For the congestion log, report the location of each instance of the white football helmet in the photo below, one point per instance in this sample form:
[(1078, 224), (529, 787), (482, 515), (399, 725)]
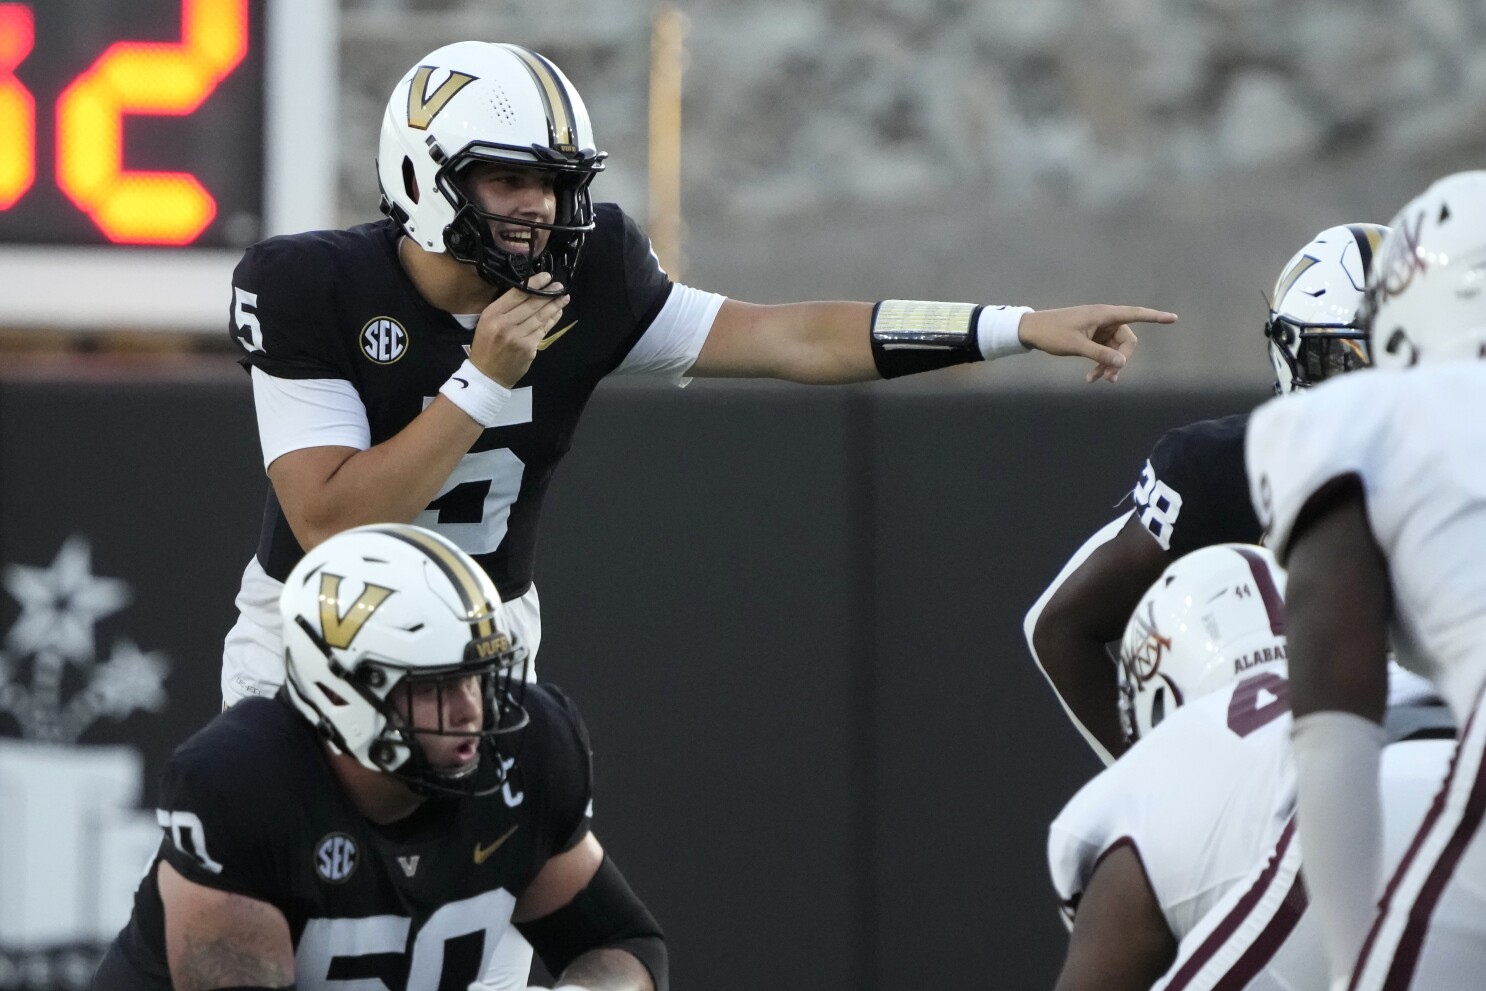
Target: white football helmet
[(1212, 616), (1313, 327), (1426, 300), (390, 604), (479, 101)]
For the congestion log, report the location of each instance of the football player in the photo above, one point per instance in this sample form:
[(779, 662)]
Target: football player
[(1373, 491), (385, 820), (1178, 866), (1192, 491), (432, 367)]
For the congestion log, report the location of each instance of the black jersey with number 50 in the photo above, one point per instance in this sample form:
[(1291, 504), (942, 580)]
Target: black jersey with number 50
[(1193, 491), (250, 805), (338, 305)]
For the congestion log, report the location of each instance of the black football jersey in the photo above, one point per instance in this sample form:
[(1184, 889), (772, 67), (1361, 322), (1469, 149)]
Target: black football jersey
[(338, 305), (250, 805), (1193, 491)]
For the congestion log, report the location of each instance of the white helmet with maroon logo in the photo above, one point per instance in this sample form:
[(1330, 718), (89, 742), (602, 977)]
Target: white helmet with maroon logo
[(1426, 299), (1212, 616)]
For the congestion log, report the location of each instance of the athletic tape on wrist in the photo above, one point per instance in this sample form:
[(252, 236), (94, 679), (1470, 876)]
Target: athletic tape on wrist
[(910, 335), (479, 395)]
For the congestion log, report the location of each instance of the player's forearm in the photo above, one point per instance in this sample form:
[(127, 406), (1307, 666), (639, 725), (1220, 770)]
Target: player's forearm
[(818, 343), (1339, 809), (390, 482), (1084, 678)]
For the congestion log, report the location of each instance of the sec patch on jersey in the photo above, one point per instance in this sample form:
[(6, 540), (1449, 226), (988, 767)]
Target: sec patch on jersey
[(384, 340)]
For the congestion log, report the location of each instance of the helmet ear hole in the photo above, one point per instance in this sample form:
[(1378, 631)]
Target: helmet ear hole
[(1158, 707), (409, 179)]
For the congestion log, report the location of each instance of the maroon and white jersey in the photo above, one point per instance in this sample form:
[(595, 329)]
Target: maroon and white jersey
[(1167, 794), (1415, 439), (1207, 800)]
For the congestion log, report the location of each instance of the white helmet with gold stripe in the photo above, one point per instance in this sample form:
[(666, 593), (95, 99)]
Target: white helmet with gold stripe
[(379, 614), (476, 101), (1314, 329)]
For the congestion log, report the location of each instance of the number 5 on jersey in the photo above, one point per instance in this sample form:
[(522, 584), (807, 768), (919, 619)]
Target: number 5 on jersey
[(474, 505)]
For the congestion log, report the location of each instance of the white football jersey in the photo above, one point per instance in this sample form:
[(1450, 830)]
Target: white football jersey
[(1417, 441), (1207, 801), (1167, 796)]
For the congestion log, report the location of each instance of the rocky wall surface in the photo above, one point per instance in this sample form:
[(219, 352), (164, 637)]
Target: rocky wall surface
[(1170, 151)]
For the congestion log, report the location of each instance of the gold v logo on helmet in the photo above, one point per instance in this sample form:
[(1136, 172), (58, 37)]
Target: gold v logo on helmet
[(422, 108), (339, 630)]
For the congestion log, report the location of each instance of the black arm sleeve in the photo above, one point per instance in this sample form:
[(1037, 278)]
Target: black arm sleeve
[(606, 914)]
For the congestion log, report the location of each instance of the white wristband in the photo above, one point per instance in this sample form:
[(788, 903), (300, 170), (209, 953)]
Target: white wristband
[(479, 395), (996, 331)]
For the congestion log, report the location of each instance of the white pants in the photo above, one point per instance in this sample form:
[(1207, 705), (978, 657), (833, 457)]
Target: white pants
[(253, 654), (1430, 931)]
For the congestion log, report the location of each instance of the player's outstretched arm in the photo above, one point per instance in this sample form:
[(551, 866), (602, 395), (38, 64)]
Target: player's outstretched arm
[(217, 939), (589, 928), (838, 342), (1120, 940), (1086, 607)]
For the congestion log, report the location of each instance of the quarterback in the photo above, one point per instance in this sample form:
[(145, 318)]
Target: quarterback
[(405, 802), (1178, 865), (1373, 491), (1192, 491), (432, 367)]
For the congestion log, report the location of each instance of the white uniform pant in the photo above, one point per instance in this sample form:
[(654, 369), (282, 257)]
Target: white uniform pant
[(1430, 930)]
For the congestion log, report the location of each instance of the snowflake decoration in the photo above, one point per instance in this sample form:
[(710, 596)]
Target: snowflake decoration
[(61, 606)]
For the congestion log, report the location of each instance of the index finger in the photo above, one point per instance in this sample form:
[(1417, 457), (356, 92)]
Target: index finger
[(1135, 314)]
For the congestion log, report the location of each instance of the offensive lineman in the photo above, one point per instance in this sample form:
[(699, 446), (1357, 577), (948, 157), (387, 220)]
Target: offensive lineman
[(1373, 490), (386, 820), (432, 367), (1192, 491), (1178, 864)]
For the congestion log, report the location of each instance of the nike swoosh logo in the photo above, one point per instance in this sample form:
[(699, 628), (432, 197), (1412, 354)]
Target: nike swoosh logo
[(482, 853), (551, 338), (462, 383)]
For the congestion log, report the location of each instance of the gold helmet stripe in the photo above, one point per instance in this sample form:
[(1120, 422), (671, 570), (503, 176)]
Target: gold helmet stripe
[(560, 121), (456, 567), (1368, 236), (1288, 280)]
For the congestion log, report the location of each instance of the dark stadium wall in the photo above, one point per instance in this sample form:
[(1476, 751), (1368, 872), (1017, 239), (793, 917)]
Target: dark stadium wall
[(792, 618)]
